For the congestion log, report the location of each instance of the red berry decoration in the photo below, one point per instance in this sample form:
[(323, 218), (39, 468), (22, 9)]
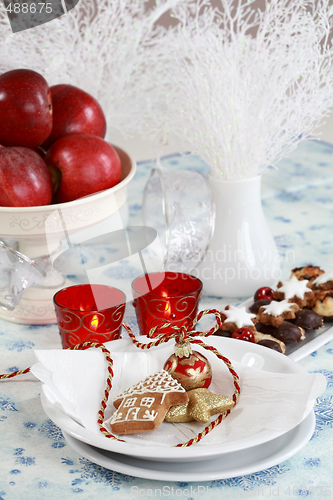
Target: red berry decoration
[(190, 369), (243, 334), (265, 292)]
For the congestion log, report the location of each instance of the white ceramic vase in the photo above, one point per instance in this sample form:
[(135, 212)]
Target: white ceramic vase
[(242, 255)]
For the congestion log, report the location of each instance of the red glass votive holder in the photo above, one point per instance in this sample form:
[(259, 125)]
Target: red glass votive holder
[(89, 313), (160, 298)]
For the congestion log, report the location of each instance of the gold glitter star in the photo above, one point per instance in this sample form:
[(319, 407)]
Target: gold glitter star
[(201, 406)]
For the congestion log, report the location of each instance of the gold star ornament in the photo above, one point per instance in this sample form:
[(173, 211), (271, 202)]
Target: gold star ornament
[(201, 406)]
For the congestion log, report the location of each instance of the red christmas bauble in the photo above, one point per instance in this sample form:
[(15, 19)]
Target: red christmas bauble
[(190, 371)]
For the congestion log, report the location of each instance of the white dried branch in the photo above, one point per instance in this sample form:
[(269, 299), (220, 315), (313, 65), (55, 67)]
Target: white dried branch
[(99, 47), (241, 101)]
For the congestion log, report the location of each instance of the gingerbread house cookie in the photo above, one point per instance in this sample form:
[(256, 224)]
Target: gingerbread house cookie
[(143, 407), (295, 291)]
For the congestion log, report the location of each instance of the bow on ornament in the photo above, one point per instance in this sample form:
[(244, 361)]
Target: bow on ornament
[(191, 367)]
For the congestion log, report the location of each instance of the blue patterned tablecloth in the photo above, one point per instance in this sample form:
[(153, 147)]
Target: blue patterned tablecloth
[(35, 460)]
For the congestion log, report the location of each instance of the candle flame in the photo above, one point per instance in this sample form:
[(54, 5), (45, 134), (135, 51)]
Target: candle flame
[(167, 304), (94, 321)]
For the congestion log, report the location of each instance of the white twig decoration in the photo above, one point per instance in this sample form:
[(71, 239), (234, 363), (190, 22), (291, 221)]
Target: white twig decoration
[(237, 85), (98, 46), (242, 101)]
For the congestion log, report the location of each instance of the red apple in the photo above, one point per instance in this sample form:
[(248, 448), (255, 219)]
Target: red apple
[(39, 151), (25, 108), (87, 164), (74, 112), (24, 178)]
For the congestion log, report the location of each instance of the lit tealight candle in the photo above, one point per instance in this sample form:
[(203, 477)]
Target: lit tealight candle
[(89, 313), (94, 321), (167, 308), (170, 297)]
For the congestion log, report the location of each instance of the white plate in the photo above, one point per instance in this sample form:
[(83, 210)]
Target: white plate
[(248, 353), (313, 339), (232, 465)]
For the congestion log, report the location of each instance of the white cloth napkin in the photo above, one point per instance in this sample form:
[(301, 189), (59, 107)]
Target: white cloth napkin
[(269, 402)]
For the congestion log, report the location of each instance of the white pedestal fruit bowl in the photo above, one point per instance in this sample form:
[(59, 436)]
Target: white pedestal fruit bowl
[(39, 232)]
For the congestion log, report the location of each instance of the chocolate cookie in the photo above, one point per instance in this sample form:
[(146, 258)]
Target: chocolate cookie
[(308, 319), (254, 308), (223, 333), (268, 329), (269, 341), (289, 333), (271, 344)]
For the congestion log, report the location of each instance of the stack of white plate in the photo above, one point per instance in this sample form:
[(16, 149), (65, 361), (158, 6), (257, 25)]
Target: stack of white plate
[(197, 462)]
